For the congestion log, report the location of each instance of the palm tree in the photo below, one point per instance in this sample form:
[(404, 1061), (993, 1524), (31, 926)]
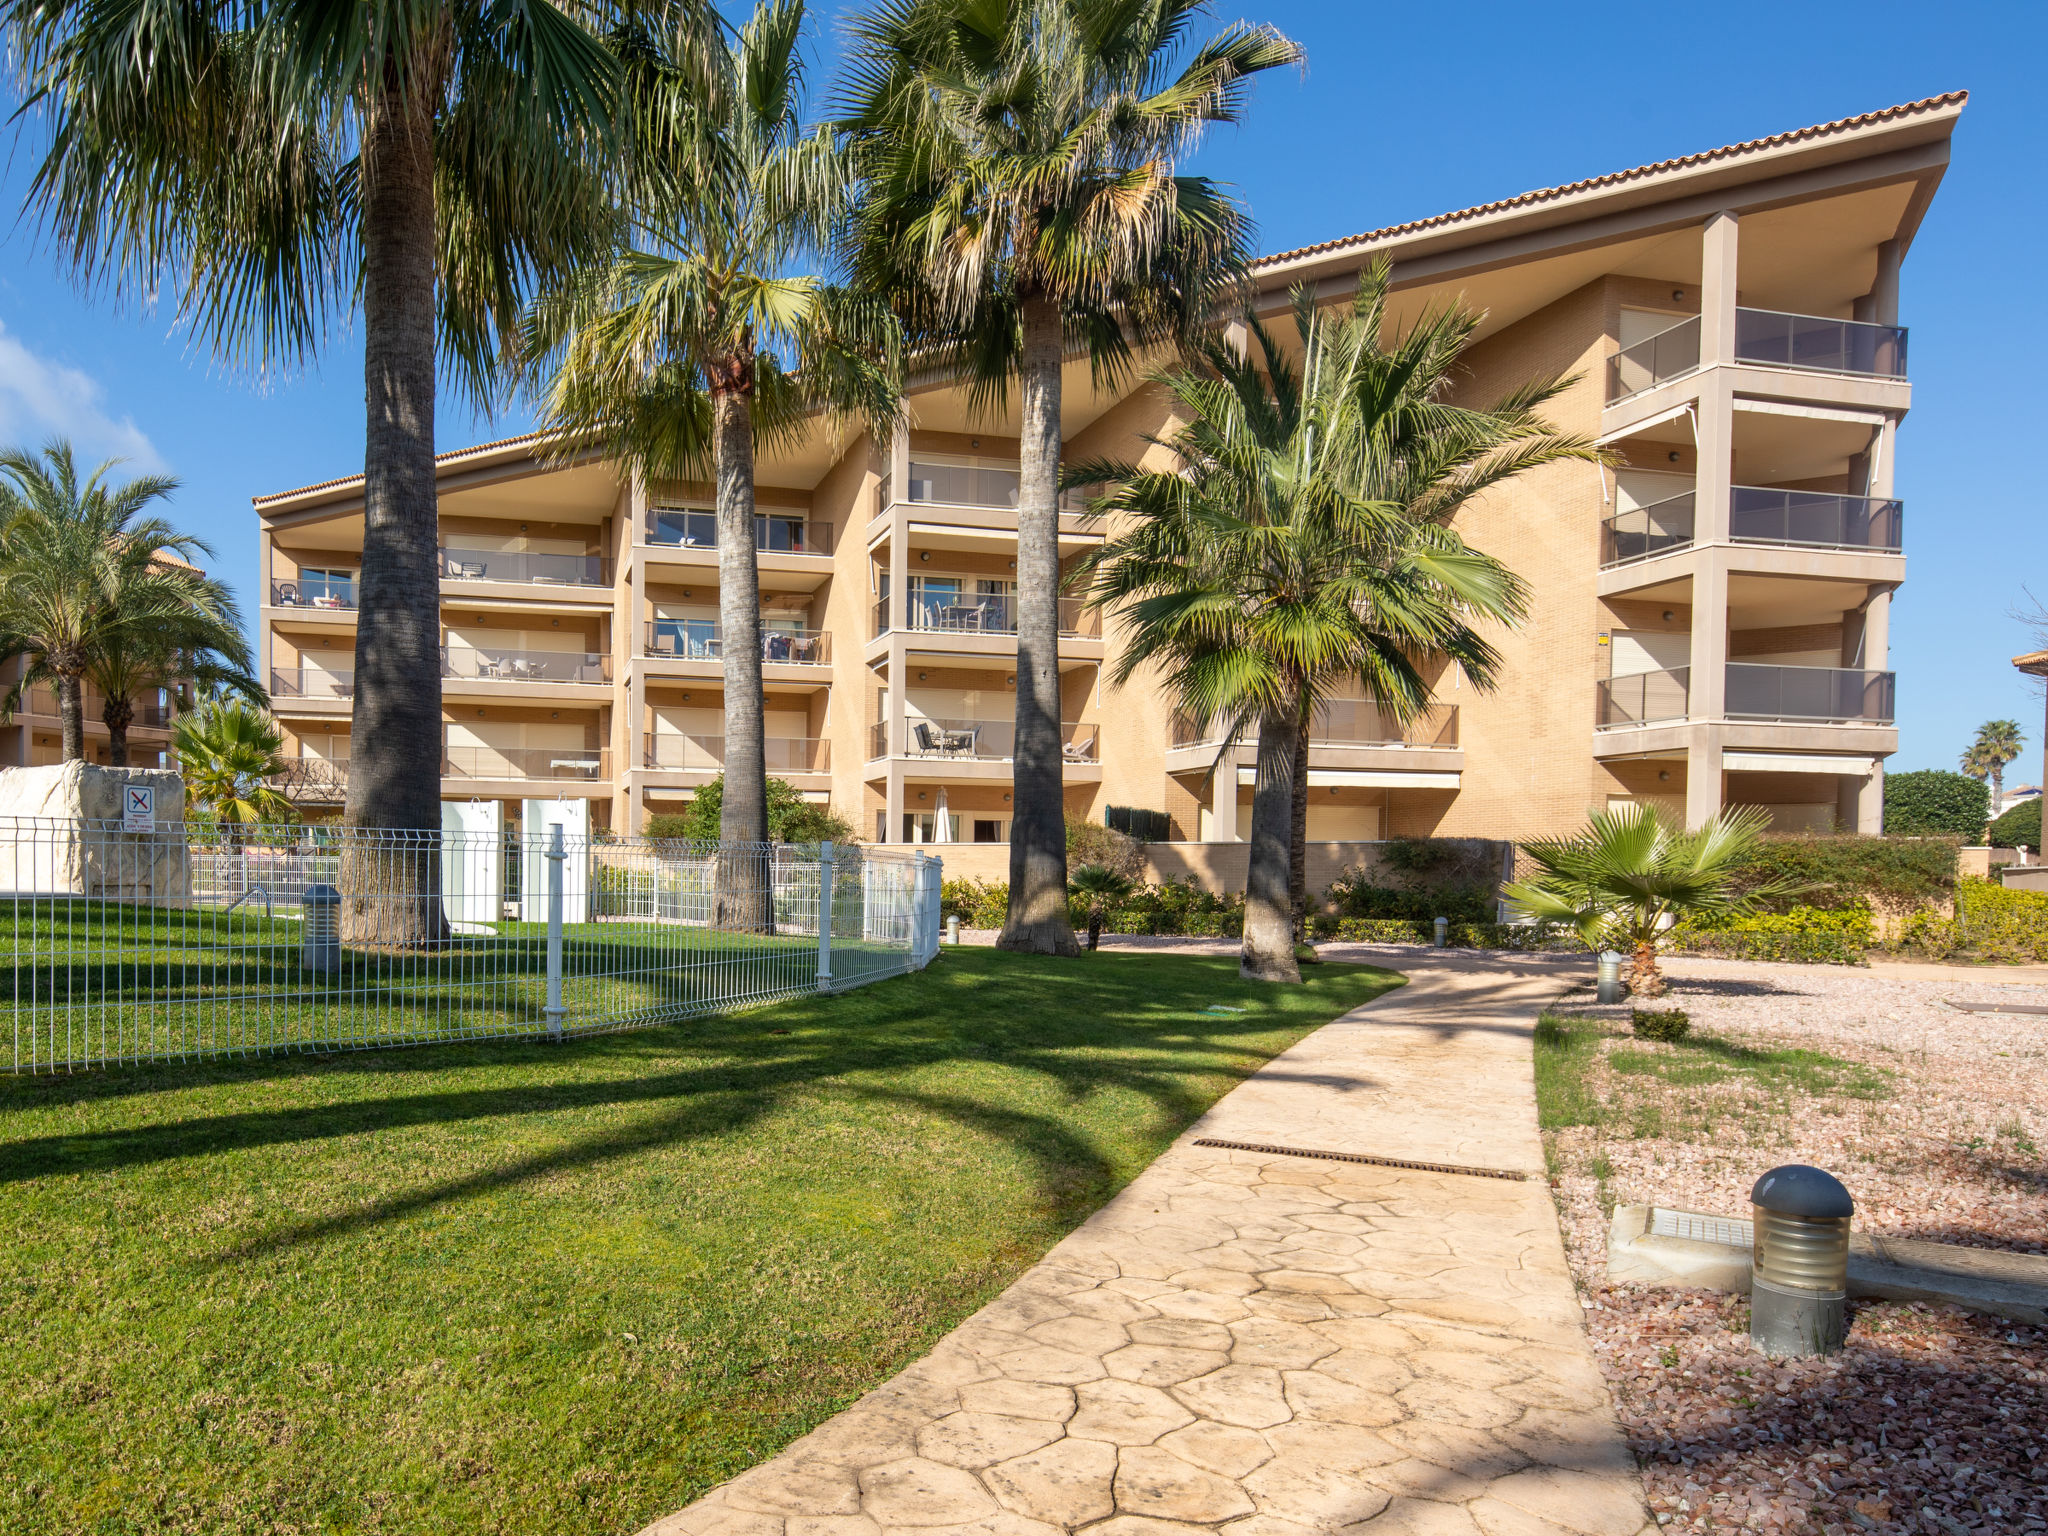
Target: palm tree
[(1019, 199), (280, 164), (202, 645), (1632, 873), (677, 354), (1102, 888), (228, 753), (1299, 544), (83, 572), (1998, 743)]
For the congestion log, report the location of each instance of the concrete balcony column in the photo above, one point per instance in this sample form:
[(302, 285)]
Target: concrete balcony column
[(1717, 290), (1707, 684)]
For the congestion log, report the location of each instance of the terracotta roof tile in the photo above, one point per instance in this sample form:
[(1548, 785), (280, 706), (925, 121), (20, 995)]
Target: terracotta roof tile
[(451, 456), (1615, 178)]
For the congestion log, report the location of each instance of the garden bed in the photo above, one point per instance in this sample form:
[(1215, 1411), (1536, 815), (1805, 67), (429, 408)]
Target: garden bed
[(1932, 1420)]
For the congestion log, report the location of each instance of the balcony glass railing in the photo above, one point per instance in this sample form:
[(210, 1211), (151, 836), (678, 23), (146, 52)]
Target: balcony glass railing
[(1815, 343), (154, 712), (989, 740), (1643, 697), (783, 754), (309, 780), (698, 640), (961, 485), (314, 592), (1643, 532), (312, 682), (1815, 519), (484, 762), (697, 528), (986, 614), (493, 665), (1649, 362), (1838, 695), (1344, 723), (525, 566)]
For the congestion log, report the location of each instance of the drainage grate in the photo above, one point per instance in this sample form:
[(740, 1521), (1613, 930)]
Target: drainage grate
[(1363, 1157), (1698, 1227)]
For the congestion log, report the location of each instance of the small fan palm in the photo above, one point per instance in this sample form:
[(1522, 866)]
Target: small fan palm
[(1101, 888), (1631, 874), (228, 753)]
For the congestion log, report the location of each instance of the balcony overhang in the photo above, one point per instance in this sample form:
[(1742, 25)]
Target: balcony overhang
[(524, 789), (1752, 384), (1367, 778), (525, 596), (1678, 738), (965, 648), (1662, 575), (523, 690), (1334, 756), (1854, 764), (912, 769)]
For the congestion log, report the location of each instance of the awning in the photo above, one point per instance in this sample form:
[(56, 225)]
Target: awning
[(1810, 412), (1797, 762), (1374, 778)]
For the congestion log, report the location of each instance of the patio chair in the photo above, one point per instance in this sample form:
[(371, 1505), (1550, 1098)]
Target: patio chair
[(467, 570), (927, 743)]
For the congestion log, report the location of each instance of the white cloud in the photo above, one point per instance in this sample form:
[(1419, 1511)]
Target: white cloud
[(40, 400)]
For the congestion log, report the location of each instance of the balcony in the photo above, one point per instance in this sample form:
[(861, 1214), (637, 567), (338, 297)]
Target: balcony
[(1344, 723), (525, 666), (1758, 515), (307, 780), (774, 534), (1822, 695), (312, 683), (1764, 338), (1644, 698), (987, 740), (155, 714), (572, 763), (525, 566), (314, 592), (984, 614), (1755, 692), (699, 640), (783, 754)]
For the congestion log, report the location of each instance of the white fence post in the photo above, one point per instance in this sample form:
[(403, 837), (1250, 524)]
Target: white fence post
[(825, 872), (556, 856)]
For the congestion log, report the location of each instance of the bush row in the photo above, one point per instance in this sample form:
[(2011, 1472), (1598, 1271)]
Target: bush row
[(1990, 923), (1891, 874), (1179, 907), (1460, 935), (1809, 935)]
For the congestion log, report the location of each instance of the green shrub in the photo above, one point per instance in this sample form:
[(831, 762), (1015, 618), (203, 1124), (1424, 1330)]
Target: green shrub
[(1460, 935), (1661, 1024), (1831, 872), (2019, 827), (1090, 842), (1805, 935), (1935, 802), (977, 903), (1999, 924), (791, 818)]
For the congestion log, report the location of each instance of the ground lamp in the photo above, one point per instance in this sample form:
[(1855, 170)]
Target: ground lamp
[(1800, 1279), (320, 948), (1610, 976)]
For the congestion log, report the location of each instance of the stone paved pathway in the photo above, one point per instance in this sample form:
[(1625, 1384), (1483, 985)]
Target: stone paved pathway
[(1266, 1345)]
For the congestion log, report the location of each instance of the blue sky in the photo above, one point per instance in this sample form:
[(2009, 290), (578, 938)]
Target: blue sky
[(1403, 112)]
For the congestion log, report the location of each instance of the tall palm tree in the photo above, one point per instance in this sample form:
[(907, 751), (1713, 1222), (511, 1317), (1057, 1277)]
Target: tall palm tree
[(1998, 743), (202, 645), (282, 164), (1299, 544), (1020, 200), (229, 752), (697, 343), (1625, 879), (82, 571)]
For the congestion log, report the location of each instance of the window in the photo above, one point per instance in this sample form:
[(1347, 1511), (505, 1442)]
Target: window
[(329, 587), (991, 830), (923, 827)]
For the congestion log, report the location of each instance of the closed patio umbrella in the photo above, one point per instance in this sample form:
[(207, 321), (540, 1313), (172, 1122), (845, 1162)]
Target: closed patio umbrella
[(943, 831)]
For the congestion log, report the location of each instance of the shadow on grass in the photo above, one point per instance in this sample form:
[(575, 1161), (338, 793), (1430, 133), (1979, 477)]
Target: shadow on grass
[(1100, 1025)]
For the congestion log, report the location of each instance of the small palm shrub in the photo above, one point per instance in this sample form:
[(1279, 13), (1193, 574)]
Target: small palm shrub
[(1101, 889)]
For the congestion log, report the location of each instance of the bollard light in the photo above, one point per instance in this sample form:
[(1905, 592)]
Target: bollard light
[(1443, 932), (1800, 1278), (1610, 977), (320, 949), (953, 928)]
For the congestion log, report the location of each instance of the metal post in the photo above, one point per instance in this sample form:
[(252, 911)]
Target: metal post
[(920, 864), (555, 856), (825, 873)]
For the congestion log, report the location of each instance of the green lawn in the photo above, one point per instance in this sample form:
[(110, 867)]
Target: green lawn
[(556, 1289)]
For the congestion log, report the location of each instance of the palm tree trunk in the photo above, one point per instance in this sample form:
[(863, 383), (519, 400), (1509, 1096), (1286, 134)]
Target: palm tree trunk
[(1297, 832), (117, 713), (390, 874), (71, 710), (1644, 978), (1037, 921), (745, 897), (1268, 953)]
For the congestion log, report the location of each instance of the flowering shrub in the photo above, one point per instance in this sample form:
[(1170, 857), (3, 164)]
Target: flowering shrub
[(1808, 935)]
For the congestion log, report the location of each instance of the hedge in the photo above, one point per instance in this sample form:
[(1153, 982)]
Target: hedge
[(1460, 935), (1836, 871), (2019, 827), (1935, 801), (1990, 923), (1179, 907), (1807, 935)]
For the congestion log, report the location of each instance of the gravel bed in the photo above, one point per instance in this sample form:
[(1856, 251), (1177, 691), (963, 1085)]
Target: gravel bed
[(1932, 1420)]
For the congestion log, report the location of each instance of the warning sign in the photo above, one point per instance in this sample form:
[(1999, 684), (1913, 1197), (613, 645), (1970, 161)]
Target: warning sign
[(138, 808)]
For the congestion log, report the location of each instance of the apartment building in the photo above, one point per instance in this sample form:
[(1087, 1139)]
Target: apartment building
[(1708, 624)]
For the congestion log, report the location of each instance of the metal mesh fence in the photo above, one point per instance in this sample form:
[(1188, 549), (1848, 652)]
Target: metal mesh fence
[(186, 942)]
